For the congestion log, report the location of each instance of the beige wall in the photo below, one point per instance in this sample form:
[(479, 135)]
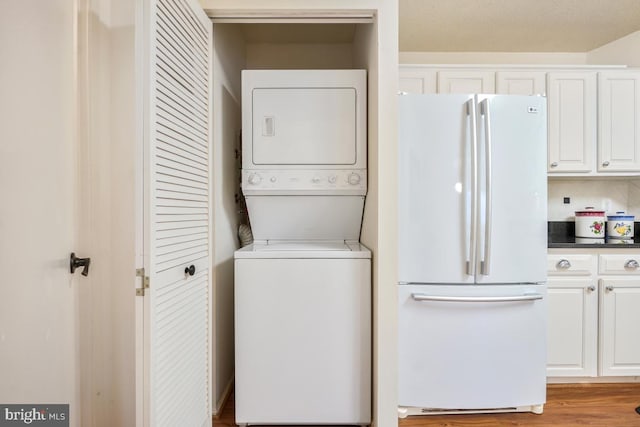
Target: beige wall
[(228, 60), (625, 50)]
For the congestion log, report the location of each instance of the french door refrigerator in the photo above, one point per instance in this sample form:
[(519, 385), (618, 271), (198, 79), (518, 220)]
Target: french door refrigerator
[(472, 253)]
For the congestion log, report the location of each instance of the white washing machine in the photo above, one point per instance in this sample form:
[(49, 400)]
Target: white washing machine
[(303, 333), (303, 289)]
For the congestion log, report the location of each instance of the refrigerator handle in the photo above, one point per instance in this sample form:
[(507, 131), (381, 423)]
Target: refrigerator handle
[(471, 261), (447, 298), (486, 262)]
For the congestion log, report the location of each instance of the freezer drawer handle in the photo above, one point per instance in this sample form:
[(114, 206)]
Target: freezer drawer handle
[(444, 298)]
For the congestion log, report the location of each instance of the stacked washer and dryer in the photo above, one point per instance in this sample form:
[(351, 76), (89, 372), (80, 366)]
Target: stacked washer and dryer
[(303, 288)]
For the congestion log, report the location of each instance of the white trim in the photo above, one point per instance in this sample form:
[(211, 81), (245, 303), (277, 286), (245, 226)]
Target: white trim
[(560, 67), (291, 16), (592, 380)]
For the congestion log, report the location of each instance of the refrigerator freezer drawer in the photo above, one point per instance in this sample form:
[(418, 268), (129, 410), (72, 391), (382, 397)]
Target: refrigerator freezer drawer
[(472, 347)]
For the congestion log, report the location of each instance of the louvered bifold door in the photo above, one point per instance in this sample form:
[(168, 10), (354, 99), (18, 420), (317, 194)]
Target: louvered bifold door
[(177, 215)]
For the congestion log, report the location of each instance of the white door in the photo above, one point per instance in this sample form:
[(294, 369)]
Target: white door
[(513, 190), (177, 235), (572, 333), (618, 118), (471, 347), (435, 187), (38, 183), (520, 82), (572, 121), (619, 324), (464, 81)]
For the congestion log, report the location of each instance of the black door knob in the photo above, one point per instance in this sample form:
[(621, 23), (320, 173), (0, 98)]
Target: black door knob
[(190, 271), (75, 262)]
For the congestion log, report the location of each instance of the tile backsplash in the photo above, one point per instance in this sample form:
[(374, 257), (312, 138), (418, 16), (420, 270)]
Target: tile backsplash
[(608, 194)]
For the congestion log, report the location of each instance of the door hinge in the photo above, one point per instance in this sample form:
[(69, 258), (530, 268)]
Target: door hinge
[(140, 292)]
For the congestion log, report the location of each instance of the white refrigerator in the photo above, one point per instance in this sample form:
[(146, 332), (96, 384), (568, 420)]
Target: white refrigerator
[(472, 253)]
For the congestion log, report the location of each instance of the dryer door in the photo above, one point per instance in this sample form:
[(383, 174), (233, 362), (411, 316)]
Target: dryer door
[(304, 126)]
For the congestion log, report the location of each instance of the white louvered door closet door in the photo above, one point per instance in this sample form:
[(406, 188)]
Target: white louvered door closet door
[(177, 215)]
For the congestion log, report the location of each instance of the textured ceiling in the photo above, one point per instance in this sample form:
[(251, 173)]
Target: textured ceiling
[(514, 25)]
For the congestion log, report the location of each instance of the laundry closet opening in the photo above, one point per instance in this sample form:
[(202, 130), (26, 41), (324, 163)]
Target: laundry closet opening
[(269, 46)]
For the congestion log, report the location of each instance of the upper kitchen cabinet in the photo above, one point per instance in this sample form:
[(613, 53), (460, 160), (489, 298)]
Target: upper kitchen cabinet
[(618, 120), (572, 121), (417, 80), (520, 83), (466, 81)]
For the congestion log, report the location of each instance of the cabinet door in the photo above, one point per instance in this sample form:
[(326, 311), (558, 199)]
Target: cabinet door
[(466, 82), (416, 80), (521, 82), (572, 336), (620, 327), (572, 121), (618, 120)]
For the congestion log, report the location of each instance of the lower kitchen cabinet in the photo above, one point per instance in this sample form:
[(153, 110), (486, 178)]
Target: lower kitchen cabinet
[(594, 314), (620, 326), (572, 338)]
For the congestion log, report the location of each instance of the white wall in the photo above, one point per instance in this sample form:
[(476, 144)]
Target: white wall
[(609, 194), (38, 213), (107, 167), (228, 60), (625, 50)]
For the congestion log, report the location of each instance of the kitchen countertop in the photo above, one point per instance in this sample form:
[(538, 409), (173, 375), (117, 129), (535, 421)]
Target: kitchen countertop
[(561, 234)]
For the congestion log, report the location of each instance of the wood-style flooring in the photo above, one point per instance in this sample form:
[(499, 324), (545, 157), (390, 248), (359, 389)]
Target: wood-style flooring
[(575, 405)]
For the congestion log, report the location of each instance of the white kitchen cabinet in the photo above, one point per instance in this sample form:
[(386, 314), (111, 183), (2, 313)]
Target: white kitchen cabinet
[(572, 121), (620, 326), (417, 80), (466, 81), (520, 82), (572, 337), (594, 321), (618, 120)]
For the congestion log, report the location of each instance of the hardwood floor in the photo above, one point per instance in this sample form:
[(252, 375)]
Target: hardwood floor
[(574, 405)]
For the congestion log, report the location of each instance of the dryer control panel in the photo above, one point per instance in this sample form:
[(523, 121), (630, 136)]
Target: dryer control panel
[(319, 181)]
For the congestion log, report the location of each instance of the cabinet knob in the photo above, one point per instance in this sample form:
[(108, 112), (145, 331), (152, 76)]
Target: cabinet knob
[(632, 263), (554, 164), (564, 264), (591, 288), (609, 288), (605, 164)]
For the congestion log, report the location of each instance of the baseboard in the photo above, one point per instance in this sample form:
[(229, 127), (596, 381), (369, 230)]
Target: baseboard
[(592, 380), (222, 402)]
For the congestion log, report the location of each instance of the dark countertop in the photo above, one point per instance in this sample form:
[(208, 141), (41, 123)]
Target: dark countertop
[(561, 234)]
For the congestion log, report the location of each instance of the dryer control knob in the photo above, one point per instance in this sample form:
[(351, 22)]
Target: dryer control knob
[(316, 179), (354, 179), (333, 179), (254, 179)]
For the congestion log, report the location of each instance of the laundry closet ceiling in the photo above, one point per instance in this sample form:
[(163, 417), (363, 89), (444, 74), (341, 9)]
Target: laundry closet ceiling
[(514, 25)]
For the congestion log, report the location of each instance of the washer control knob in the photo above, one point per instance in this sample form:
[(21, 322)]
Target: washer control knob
[(315, 179), (254, 179), (273, 179), (354, 179), (332, 179)]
